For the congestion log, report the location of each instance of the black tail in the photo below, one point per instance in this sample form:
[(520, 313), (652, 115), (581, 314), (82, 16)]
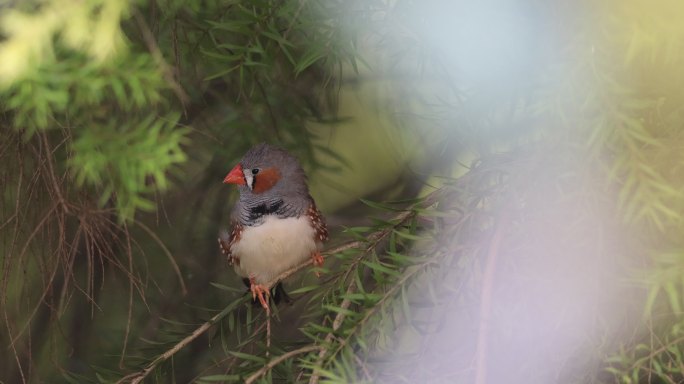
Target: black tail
[(278, 293)]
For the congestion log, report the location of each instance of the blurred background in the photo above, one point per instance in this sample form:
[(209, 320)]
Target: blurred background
[(506, 178)]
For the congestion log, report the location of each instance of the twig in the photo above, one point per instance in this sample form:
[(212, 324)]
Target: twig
[(168, 254), (336, 325), (256, 375), (129, 253), (294, 19), (159, 58), (664, 347), (363, 367), (37, 228), (51, 172), (486, 302), (141, 375), (268, 332)]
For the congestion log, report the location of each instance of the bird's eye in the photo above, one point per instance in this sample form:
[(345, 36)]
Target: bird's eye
[(255, 171)]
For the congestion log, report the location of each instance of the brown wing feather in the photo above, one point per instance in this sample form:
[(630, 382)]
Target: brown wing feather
[(317, 221), (227, 240)]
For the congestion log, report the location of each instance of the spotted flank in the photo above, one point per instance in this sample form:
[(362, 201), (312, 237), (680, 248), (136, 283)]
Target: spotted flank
[(226, 242), (317, 222)]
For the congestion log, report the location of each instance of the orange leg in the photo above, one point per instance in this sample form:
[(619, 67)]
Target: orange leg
[(260, 291), (317, 261)]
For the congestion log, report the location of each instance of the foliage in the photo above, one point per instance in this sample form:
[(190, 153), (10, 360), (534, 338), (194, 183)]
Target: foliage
[(119, 118), (91, 27)]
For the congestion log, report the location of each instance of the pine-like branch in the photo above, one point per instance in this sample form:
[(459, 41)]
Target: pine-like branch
[(139, 376), (372, 242)]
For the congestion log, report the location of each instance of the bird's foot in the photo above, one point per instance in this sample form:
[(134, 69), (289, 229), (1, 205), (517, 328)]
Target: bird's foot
[(317, 261), (260, 291)]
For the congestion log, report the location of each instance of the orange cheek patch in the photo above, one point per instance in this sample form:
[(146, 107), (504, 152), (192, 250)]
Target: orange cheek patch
[(265, 180)]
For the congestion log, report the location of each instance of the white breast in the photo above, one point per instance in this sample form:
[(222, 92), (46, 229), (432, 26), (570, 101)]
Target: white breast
[(273, 247)]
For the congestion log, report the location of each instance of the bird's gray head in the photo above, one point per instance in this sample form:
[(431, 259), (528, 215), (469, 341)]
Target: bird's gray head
[(266, 174)]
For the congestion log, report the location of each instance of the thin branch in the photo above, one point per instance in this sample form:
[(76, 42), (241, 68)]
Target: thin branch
[(361, 364), (268, 332), (658, 351), (336, 325), (129, 253), (141, 375), (27, 322), (51, 172), (294, 19), (486, 302), (167, 253), (159, 58), (256, 375)]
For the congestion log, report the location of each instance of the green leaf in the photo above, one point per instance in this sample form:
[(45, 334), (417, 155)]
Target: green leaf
[(276, 37), (380, 206), (214, 378), (247, 356), (244, 27), (407, 235), (305, 289), (313, 55), (347, 312), (674, 297), (377, 266), (404, 259), (227, 288)]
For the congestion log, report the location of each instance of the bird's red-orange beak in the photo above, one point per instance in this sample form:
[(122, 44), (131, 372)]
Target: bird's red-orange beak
[(235, 176)]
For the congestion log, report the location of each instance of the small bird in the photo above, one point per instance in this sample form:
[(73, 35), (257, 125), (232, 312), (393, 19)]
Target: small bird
[(275, 224)]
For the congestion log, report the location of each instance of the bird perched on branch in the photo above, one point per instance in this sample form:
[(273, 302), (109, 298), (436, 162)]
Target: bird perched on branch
[(275, 223)]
